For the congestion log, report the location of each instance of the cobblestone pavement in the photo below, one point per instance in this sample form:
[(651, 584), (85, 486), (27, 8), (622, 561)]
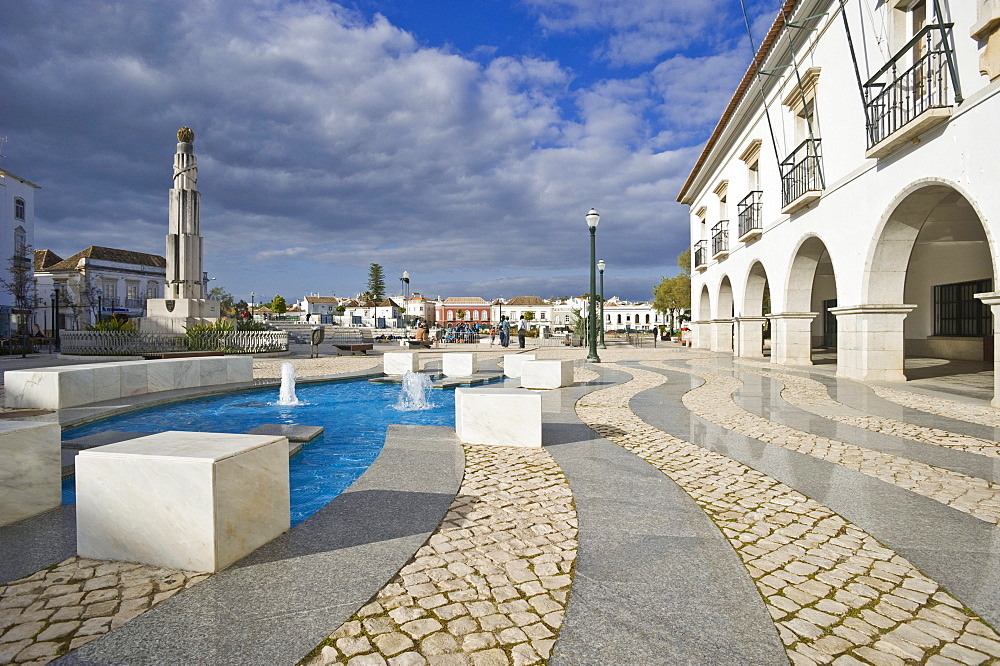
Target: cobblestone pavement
[(804, 392), (984, 415), (955, 409), (713, 402), (836, 594), (58, 609), (490, 586)]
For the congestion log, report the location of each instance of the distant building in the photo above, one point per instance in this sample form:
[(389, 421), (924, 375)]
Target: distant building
[(17, 232), (849, 197), (97, 279), (473, 310)]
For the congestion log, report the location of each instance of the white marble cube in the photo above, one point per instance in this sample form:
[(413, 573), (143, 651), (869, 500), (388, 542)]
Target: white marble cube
[(458, 364), (546, 374), (498, 416), (30, 469), (512, 363), (399, 363), (186, 500)]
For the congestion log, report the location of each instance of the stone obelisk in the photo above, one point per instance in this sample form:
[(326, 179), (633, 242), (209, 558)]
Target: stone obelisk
[(184, 303)]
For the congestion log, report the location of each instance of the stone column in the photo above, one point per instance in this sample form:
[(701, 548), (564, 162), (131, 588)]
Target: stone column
[(722, 335), (700, 334), (992, 299), (750, 336), (870, 342), (791, 338)]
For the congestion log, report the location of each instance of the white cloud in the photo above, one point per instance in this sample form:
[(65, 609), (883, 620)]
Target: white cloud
[(327, 141)]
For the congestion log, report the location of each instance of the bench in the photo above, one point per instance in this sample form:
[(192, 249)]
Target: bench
[(352, 340)]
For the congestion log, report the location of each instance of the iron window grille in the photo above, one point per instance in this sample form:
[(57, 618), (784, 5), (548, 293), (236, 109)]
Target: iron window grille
[(958, 313), (720, 237), (801, 171), (748, 211)]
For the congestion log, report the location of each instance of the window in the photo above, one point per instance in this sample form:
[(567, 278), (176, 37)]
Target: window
[(132, 292), (20, 241), (958, 313), (151, 290), (109, 290), (19, 209)]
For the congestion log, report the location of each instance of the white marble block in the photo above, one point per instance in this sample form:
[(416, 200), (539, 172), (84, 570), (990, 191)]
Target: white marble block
[(459, 364), (187, 500), (546, 374), (239, 369), (398, 363), (30, 469), (498, 416), (512, 363)]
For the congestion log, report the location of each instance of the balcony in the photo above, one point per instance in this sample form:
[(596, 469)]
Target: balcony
[(802, 176), (903, 102), (700, 256), (720, 240), (748, 211)]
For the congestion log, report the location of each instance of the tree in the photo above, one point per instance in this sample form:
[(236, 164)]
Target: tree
[(278, 304), (460, 314), (376, 282), (673, 294), (227, 305), (21, 286), (529, 315)]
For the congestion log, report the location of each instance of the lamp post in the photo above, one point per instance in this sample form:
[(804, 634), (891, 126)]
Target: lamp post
[(592, 220), (55, 316), (251, 305), (404, 283), (600, 267), (100, 304)]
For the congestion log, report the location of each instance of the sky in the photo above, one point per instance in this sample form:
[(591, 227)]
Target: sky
[(463, 142)]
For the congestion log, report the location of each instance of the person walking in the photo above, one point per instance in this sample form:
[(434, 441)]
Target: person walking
[(504, 332), (522, 329), (493, 335)]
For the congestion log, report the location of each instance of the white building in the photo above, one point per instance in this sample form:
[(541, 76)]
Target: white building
[(116, 282), (17, 232), (860, 204)]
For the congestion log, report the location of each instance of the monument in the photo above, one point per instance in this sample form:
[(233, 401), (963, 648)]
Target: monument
[(184, 303)]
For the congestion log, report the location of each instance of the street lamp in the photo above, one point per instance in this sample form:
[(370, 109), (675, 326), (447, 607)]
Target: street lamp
[(251, 305), (592, 220), (404, 283), (55, 316), (100, 304), (600, 267)]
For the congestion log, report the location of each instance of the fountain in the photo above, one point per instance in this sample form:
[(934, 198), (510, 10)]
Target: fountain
[(287, 395), (414, 394)]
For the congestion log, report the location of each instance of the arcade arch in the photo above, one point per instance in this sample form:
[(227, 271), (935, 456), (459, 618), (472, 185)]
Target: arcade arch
[(810, 296)]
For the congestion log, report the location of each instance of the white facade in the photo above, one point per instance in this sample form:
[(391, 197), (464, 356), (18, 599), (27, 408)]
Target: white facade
[(871, 217), (17, 231), (116, 282)]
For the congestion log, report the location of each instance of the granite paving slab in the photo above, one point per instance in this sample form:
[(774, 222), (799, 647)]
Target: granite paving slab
[(646, 552), (276, 604), (952, 547), (37, 542), (294, 433)]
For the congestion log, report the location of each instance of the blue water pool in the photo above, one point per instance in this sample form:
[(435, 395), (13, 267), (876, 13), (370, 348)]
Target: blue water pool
[(354, 413)]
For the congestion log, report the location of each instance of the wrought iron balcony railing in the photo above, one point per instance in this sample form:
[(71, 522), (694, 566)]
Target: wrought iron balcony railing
[(748, 211), (135, 302), (802, 173), (700, 255), (720, 238), (899, 94)]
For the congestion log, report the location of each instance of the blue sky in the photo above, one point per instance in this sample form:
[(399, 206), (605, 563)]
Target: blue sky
[(463, 142)]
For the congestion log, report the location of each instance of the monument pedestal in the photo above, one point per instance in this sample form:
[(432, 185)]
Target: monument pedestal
[(173, 315)]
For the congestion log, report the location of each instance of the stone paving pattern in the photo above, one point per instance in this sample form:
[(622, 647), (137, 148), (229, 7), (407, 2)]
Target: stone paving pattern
[(491, 585), (804, 392), (713, 402), (53, 611), (836, 594)]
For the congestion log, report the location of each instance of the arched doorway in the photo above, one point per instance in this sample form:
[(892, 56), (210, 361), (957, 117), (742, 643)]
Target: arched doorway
[(751, 324), (932, 256), (810, 296), (722, 322), (702, 322)]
